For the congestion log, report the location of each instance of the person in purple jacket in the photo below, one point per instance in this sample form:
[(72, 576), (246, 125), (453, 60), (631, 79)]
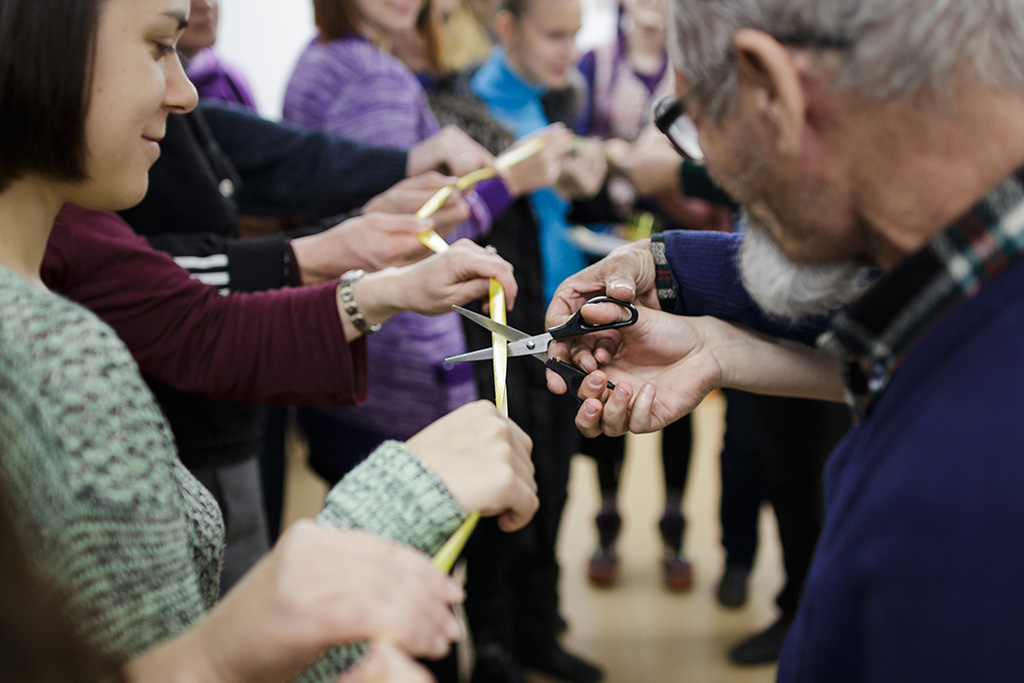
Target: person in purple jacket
[(348, 83), (212, 77), (856, 135)]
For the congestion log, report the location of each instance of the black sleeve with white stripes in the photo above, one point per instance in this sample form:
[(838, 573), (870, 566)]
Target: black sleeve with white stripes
[(231, 265)]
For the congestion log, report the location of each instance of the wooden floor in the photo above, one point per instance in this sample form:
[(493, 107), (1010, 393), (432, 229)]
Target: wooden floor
[(637, 631)]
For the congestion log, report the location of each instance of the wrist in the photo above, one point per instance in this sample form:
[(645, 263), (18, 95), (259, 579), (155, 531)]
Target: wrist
[(365, 302), (313, 259), (184, 659), (359, 313)]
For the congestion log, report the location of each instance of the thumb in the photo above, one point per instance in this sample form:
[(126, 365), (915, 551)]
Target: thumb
[(621, 288)]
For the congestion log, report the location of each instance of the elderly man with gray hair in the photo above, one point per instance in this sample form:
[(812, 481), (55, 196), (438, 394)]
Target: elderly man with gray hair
[(877, 147)]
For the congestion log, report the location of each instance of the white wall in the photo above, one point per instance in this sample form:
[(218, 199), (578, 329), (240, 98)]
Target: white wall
[(264, 38)]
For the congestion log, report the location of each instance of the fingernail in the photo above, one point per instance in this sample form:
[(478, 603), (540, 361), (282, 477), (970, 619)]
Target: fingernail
[(623, 285), (453, 630), (595, 382), (589, 410), (621, 394), (647, 391)]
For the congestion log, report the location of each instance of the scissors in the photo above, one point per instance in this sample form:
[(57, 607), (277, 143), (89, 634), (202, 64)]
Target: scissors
[(522, 344)]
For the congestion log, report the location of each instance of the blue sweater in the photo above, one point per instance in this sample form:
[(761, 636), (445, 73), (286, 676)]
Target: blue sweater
[(918, 570), (516, 103)]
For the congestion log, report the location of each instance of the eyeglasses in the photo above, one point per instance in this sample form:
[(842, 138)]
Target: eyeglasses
[(670, 113), (671, 119)]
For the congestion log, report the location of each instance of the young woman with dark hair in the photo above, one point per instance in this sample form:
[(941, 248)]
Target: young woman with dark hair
[(99, 499)]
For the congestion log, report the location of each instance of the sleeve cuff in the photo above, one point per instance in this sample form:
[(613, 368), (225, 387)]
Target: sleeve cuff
[(258, 264), (664, 281), (392, 494)]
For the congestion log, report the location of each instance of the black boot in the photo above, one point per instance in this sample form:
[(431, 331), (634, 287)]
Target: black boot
[(495, 664), (547, 656), (763, 647), (732, 587)]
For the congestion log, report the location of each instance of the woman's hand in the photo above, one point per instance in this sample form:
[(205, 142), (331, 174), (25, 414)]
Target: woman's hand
[(484, 460), (584, 169), (449, 150), (409, 195), (431, 287), (385, 663), (317, 588), (542, 169)]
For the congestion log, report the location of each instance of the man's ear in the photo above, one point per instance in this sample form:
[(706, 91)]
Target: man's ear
[(504, 26), (768, 77)]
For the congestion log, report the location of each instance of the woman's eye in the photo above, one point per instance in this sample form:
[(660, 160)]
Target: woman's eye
[(163, 49)]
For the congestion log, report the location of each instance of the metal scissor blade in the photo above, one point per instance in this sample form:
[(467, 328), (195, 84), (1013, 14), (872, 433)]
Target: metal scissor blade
[(529, 346), (482, 354), (486, 354), (510, 333)]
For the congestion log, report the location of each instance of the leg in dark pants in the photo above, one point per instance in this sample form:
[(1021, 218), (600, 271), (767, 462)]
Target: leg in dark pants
[(797, 436), (512, 586), (740, 505), (608, 454)]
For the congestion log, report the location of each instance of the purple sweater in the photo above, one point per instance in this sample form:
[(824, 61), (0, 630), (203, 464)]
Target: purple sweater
[(350, 88)]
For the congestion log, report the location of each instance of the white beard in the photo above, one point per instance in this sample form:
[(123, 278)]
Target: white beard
[(791, 290)]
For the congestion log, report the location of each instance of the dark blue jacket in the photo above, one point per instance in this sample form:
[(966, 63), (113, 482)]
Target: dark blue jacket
[(919, 571)]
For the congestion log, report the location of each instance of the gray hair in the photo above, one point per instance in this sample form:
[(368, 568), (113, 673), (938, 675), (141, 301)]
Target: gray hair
[(893, 48)]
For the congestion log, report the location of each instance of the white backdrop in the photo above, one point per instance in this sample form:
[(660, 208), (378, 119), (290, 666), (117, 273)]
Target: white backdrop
[(264, 38)]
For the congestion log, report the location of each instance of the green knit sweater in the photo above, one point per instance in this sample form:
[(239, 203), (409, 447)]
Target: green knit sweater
[(107, 509)]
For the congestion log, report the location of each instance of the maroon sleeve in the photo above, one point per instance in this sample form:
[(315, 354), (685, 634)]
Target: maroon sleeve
[(285, 346)]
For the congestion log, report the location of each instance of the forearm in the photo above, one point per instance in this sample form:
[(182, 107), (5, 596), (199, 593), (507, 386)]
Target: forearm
[(293, 171), (179, 660), (393, 495), (286, 346), (761, 364)]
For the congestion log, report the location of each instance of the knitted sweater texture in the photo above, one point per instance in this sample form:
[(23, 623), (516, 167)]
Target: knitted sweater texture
[(106, 508)]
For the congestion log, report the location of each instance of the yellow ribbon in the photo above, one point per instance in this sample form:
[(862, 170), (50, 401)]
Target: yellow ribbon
[(449, 552)]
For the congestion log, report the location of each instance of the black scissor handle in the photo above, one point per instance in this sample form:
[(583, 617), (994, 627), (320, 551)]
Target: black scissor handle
[(572, 375), (577, 326)]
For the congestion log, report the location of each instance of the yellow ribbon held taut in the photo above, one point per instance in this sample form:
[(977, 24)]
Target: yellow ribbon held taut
[(449, 552)]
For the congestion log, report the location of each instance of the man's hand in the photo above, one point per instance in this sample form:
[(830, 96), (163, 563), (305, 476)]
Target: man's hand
[(484, 460), (664, 366), (408, 196), (449, 151), (372, 242), (627, 274), (584, 169)]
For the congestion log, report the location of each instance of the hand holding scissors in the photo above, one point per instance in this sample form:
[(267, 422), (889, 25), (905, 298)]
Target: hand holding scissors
[(523, 344)]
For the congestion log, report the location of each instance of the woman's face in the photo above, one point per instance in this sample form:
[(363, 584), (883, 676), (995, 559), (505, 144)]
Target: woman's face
[(646, 13), (411, 46), (384, 19), (541, 44), (136, 82), (202, 28)]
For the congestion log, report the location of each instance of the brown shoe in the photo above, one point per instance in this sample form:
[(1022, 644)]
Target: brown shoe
[(603, 569), (678, 571)]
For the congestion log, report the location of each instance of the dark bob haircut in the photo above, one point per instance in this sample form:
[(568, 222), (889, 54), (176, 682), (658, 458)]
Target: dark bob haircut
[(338, 19), (46, 53)]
